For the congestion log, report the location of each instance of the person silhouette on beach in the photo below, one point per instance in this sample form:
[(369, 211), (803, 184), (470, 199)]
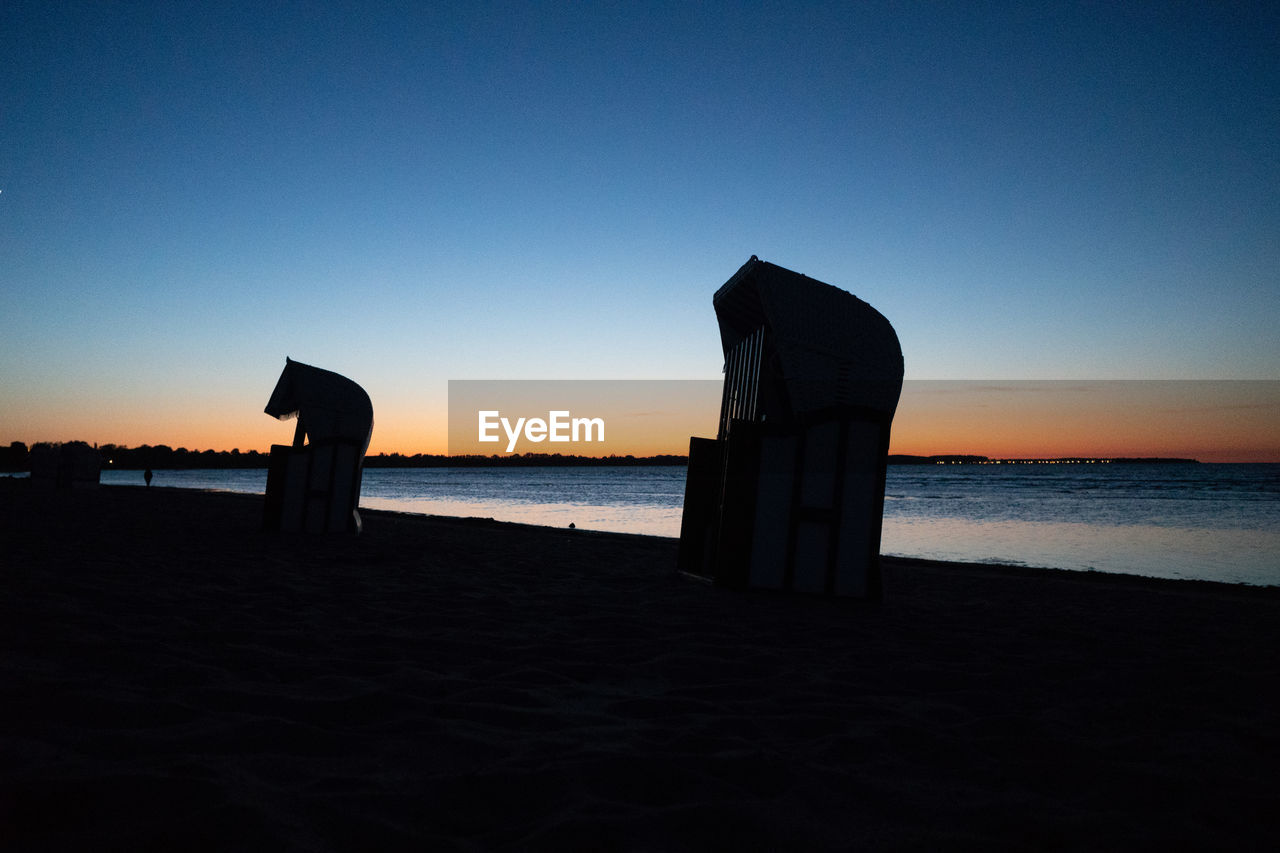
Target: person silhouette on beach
[(146, 475)]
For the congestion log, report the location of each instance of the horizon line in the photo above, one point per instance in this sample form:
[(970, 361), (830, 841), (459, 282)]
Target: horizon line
[(1193, 456)]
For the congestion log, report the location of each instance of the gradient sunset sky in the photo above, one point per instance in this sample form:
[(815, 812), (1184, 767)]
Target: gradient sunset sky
[(411, 193)]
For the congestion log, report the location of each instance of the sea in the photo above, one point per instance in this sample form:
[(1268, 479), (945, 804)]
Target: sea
[(1205, 521)]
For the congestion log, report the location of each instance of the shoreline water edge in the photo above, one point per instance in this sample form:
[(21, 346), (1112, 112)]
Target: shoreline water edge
[(1208, 521)]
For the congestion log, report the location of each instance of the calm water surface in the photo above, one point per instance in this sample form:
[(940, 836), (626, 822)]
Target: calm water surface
[(1218, 522)]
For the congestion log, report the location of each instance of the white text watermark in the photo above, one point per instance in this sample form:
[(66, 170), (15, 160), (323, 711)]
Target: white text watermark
[(558, 426)]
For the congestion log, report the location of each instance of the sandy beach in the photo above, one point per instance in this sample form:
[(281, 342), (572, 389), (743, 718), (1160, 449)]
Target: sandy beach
[(173, 678)]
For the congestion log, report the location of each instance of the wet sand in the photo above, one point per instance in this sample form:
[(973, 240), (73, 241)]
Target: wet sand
[(171, 677)]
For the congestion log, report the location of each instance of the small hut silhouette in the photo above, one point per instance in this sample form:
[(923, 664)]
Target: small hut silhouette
[(790, 494), (315, 486), (72, 465)]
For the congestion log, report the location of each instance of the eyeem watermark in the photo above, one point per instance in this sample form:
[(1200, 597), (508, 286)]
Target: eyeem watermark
[(580, 417), (559, 426)]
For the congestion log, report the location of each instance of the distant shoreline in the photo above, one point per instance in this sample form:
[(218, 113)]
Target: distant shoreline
[(117, 458), (906, 459)]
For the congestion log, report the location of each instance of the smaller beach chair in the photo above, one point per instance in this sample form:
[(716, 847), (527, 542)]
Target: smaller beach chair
[(313, 485)]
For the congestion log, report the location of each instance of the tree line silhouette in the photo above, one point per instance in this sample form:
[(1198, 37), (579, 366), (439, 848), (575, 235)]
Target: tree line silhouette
[(16, 456)]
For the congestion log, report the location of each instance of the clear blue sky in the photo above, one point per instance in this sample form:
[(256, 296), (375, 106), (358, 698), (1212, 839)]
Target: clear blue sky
[(191, 191)]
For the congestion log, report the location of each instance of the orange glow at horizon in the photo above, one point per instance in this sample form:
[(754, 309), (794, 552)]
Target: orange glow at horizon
[(1205, 420), (1210, 421)]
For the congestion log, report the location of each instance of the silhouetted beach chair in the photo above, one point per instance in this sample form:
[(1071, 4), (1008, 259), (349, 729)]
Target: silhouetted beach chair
[(315, 486), (790, 494)]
